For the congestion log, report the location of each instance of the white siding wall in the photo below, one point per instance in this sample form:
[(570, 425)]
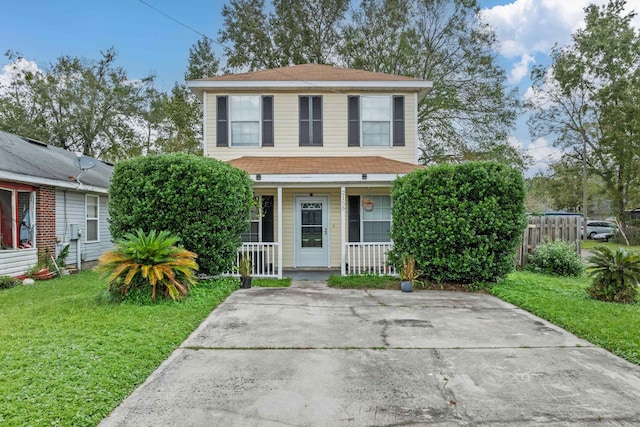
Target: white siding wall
[(18, 261), (334, 123), (70, 209)]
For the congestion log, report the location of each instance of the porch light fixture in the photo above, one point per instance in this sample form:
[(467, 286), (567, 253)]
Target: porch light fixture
[(258, 177), (364, 176)]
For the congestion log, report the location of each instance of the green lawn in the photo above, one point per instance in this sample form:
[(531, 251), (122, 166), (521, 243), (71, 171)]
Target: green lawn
[(267, 282), (365, 281), (590, 244), (564, 302), (67, 359)]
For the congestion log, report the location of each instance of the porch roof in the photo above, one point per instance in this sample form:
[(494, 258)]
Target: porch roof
[(374, 165)]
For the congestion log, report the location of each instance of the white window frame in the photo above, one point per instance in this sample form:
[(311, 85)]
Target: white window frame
[(231, 121), (362, 220), (87, 218), (389, 99)]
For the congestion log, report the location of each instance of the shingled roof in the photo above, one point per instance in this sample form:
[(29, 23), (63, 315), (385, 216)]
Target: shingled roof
[(311, 72), (322, 165), (310, 77), (35, 162)]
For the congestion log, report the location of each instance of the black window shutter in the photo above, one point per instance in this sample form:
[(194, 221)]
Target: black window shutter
[(267, 121), (267, 219), (304, 112), (398, 121), (354, 218), (316, 114), (222, 130), (354, 121)]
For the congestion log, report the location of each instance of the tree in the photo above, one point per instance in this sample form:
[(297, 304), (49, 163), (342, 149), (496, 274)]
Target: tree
[(292, 32), (588, 97), (466, 116), (81, 105), (180, 126), (204, 201)]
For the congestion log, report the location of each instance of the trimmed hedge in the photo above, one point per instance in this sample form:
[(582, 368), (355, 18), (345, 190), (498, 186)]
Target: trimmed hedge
[(204, 201), (462, 223)]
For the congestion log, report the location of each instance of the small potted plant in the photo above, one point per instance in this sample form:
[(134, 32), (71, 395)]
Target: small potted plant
[(368, 204), (408, 273), (244, 268)]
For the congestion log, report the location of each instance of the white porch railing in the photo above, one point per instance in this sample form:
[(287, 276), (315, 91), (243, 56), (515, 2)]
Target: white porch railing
[(368, 258), (263, 256)]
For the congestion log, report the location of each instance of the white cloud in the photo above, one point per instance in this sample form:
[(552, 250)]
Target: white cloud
[(529, 27), (11, 71), (542, 152), (521, 69)]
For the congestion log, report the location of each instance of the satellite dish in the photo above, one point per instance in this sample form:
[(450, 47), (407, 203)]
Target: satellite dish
[(84, 162)]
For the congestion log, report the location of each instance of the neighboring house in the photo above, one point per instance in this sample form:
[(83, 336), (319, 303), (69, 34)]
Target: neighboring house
[(319, 143), (45, 204)]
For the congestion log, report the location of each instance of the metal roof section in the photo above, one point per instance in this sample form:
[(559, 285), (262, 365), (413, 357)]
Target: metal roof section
[(33, 162)]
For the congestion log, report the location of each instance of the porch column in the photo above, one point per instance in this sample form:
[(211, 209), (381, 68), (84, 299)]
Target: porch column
[(343, 229), (280, 232)]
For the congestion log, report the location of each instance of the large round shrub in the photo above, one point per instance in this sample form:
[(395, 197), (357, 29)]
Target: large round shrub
[(462, 222), (206, 202)]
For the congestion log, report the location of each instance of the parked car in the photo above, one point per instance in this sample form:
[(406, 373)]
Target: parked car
[(602, 237), (596, 227)]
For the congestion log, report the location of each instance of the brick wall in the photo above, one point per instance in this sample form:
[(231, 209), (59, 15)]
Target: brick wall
[(46, 219)]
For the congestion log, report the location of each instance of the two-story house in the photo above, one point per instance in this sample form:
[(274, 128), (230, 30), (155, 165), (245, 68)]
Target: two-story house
[(322, 145)]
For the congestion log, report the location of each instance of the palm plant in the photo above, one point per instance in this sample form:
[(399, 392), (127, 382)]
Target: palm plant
[(615, 274), (140, 259)]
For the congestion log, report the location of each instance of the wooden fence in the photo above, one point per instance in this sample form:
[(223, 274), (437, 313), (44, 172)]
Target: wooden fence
[(542, 228)]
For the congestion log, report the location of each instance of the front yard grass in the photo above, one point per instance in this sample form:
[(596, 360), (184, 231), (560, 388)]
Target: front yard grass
[(67, 359), (267, 282), (564, 302), (364, 281), (590, 244)]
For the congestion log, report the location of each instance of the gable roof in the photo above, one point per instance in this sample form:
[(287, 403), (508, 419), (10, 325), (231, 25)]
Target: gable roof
[(311, 76), (311, 72), (32, 162), (322, 165)]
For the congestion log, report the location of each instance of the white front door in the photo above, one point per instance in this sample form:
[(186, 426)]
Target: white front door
[(311, 232)]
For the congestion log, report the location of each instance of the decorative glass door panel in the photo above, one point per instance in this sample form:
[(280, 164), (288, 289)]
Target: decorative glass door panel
[(311, 225), (312, 247)]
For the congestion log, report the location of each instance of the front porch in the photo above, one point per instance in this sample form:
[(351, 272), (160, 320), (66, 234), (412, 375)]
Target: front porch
[(358, 258), (320, 213)]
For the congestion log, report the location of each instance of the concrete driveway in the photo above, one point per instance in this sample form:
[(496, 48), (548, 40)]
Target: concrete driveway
[(314, 356)]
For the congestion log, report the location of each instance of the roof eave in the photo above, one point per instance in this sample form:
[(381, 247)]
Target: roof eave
[(38, 181), (200, 86), (303, 179)]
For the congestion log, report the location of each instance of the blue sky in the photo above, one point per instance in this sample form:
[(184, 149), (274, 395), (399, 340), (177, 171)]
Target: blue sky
[(149, 43)]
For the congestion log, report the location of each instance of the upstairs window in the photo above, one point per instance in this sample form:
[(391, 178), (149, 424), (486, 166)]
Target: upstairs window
[(376, 121), (310, 114), (244, 121), (244, 115)]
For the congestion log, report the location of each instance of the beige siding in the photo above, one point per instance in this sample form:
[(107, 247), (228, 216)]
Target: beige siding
[(334, 130), (288, 221)]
